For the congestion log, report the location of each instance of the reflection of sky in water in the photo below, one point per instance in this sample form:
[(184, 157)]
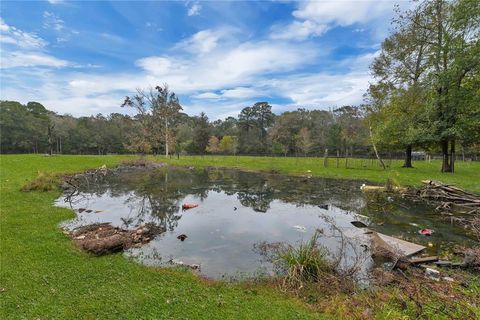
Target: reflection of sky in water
[(220, 238)]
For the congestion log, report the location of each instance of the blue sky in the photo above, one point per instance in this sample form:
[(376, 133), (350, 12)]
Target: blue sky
[(82, 58)]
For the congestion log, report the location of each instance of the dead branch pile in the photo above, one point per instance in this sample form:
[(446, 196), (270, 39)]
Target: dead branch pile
[(447, 196), (103, 238)]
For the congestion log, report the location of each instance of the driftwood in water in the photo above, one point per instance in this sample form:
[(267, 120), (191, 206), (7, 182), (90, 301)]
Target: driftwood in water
[(447, 195)]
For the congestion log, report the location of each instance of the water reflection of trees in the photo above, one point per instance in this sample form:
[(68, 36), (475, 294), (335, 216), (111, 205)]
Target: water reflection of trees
[(259, 190), (155, 196)]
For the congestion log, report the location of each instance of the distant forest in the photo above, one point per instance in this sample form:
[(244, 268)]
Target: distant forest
[(343, 131), (31, 128)]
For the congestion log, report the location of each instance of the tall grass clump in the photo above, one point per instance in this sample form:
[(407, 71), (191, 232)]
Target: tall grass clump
[(45, 181), (306, 263)]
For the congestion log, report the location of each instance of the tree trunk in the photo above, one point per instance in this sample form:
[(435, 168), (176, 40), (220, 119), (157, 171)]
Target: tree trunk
[(50, 139), (166, 138), (325, 158), (346, 157), (338, 155), (375, 150), (408, 157), (452, 155), (446, 161)]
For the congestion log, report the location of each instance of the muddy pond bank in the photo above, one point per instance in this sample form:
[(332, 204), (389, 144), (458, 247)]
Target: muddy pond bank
[(238, 210)]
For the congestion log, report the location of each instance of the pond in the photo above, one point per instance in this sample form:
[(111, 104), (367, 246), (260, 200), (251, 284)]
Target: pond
[(238, 211)]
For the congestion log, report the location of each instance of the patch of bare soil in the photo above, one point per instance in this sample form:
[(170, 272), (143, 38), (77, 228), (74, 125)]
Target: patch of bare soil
[(103, 238)]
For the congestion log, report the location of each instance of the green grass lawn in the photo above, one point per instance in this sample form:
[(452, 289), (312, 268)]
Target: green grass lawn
[(43, 276), (467, 174)]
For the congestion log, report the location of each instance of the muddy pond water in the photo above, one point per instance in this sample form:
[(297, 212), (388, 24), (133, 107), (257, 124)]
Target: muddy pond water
[(238, 211)]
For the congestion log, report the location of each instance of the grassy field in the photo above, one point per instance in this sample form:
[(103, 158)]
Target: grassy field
[(467, 174), (43, 276)]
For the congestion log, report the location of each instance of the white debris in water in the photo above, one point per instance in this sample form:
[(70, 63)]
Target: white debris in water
[(177, 262), (300, 228)]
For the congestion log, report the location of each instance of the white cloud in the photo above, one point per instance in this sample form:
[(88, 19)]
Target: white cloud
[(24, 49), (85, 94), (103, 93), (111, 37), (240, 92), (236, 70), (55, 1), (314, 18), (19, 38), (298, 30), (207, 96), (227, 66), (194, 10), (223, 69), (157, 65), (153, 26), (325, 89), (52, 21), (263, 57), (201, 42), (3, 25), (30, 59), (342, 13), (322, 90), (221, 110)]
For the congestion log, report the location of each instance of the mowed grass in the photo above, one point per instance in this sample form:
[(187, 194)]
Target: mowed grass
[(467, 174), (43, 276)]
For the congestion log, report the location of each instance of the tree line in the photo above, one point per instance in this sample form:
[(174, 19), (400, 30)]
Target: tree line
[(160, 127)]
